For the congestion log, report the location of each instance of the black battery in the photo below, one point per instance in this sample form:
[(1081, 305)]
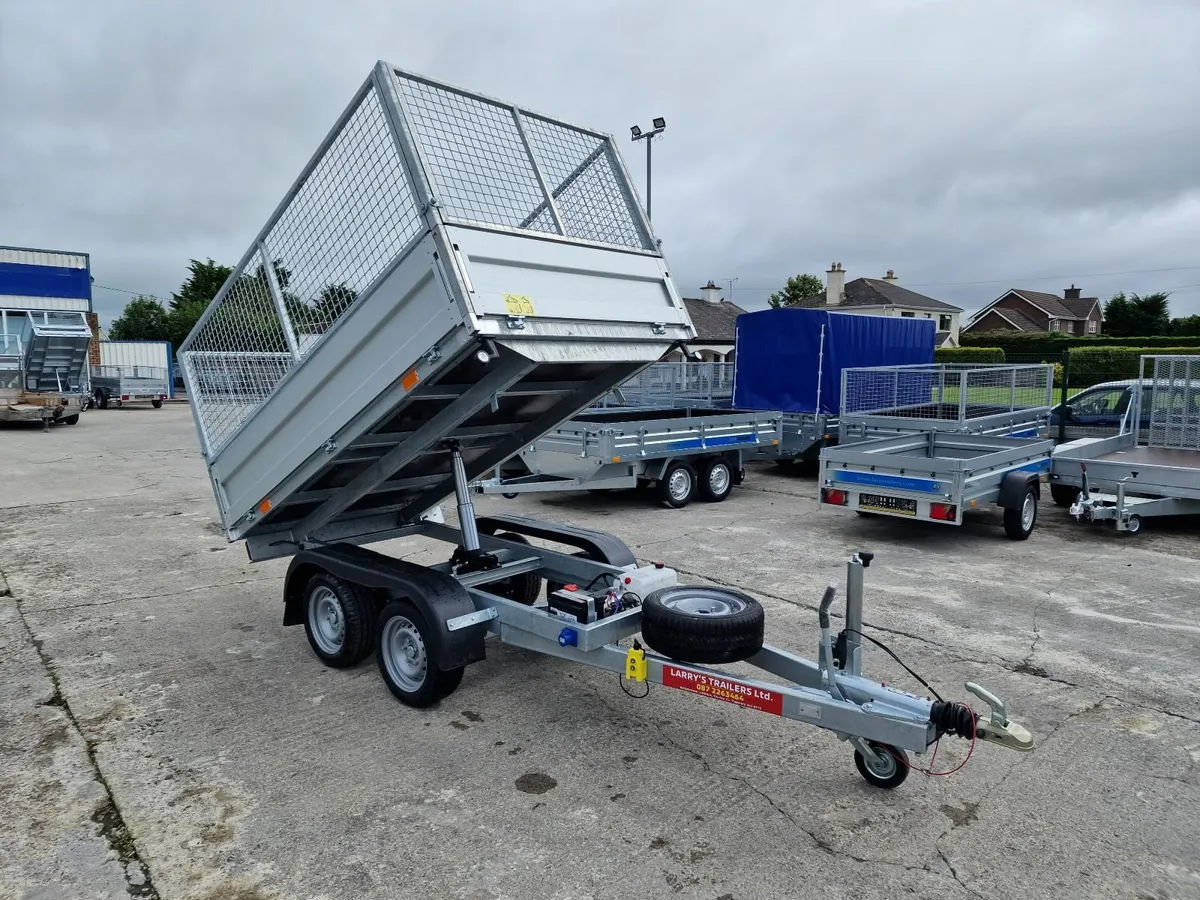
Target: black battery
[(573, 603)]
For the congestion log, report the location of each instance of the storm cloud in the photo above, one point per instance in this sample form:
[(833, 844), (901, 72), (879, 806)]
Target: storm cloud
[(970, 146)]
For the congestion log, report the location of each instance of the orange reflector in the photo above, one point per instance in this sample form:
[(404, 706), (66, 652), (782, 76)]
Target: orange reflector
[(616, 459), (773, 443), (973, 502), (410, 379), (264, 507)]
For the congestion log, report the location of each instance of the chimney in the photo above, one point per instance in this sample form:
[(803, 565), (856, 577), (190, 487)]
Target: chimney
[(835, 285), (890, 277), (1071, 293), (710, 293)]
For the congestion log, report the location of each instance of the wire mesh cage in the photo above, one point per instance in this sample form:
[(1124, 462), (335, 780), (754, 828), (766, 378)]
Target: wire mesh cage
[(1172, 396), (951, 393), (408, 155), (667, 385)]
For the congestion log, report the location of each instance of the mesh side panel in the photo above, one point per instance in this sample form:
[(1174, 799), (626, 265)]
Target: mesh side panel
[(352, 216), (585, 183), (477, 161), (237, 358), (945, 392), (1174, 399)]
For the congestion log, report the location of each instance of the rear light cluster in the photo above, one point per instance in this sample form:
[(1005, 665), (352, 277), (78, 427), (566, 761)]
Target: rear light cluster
[(943, 511), (834, 496), (124, 396)]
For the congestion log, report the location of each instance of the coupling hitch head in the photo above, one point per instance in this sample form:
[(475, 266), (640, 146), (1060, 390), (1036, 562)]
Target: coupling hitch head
[(994, 726)]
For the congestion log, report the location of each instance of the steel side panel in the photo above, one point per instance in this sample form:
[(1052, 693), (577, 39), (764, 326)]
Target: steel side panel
[(368, 351), (566, 281)]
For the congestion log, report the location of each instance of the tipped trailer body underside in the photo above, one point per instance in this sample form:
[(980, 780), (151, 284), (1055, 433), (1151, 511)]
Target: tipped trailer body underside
[(450, 279)]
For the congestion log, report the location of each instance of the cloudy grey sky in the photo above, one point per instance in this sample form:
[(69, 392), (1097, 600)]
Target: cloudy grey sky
[(1027, 144)]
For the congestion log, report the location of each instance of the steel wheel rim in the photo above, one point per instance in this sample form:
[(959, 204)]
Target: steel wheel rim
[(705, 606), (884, 766), (1134, 524), (718, 478), (327, 620), (1027, 511), (679, 485), (404, 654)]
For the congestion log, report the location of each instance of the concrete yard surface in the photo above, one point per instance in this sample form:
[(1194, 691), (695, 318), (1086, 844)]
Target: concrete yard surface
[(162, 735)]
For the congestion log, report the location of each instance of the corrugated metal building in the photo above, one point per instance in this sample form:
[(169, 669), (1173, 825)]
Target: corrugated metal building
[(45, 279)]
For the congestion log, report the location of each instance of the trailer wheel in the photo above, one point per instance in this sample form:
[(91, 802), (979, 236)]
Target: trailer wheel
[(1133, 525), (524, 588), (102, 400), (72, 419), (404, 662), (157, 404), (889, 771), (698, 624), (716, 480), (1019, 522), (1063, 494), (678, 485), (338, 621)]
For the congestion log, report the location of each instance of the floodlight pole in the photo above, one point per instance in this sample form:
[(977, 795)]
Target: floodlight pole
[(648, 137)]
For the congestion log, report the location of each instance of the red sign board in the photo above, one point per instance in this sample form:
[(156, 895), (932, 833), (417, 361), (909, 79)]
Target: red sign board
[(727, 689)]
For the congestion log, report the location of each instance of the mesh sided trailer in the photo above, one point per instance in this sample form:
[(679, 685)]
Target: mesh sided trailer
[(450, 279), (1127, 478), (932, 442), (119, 385)]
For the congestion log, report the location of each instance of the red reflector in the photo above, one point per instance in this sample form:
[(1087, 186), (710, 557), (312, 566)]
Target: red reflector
[(570, 587), (943, 511), (124, 396), (628, 580), (834, 496)]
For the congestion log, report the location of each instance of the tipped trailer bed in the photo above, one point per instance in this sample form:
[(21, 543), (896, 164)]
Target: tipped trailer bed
[(683, 453), (436, 321), (43, 363), (1127, 478), (118, 385), (929, 443)]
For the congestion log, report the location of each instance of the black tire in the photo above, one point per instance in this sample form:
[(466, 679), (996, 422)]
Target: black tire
[(71, 420), (339, 620), (891, 773), (716, 480), (1019, 523), (157, 404), (1133, 525), (525, 588), (698, 624), (785, 463), (677, 487), (1063, 494), (102, 400), (509, 496), (404, 661)]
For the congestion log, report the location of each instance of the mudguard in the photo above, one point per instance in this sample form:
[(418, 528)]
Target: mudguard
[(598, 545), (437, 596), (1015, 486)]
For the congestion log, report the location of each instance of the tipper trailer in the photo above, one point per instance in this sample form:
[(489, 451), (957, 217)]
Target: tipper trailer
[(497, 276), (43, 365)]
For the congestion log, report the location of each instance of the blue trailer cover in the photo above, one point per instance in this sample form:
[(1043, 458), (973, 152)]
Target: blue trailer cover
[(779, 355)]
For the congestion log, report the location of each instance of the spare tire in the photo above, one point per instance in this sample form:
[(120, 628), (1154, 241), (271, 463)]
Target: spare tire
[(697, 624)]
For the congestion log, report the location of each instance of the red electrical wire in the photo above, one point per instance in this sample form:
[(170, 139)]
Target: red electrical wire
[(936, 744)]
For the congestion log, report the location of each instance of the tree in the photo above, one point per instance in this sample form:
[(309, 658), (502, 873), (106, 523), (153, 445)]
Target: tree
[(798, 288), (1136, 316), (143, 319), (191, 300), (335, 299), (1188, 326)]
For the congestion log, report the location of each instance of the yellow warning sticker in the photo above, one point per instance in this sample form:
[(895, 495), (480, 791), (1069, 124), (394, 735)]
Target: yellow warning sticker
[(518, 305)]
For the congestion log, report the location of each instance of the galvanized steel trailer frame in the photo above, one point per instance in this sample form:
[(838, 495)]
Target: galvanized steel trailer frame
[(616, 449), (449, 279), (1124, 479), (129, 384)]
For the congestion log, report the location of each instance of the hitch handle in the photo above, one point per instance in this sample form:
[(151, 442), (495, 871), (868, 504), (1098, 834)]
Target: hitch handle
[(999, 713), (826, 602)]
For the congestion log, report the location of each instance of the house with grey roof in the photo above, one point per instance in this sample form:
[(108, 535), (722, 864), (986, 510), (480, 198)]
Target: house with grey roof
[(1021, 310), (715, 319), (884, 297)]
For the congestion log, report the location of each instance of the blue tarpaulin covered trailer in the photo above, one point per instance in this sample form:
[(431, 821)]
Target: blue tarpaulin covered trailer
[(792, 359)]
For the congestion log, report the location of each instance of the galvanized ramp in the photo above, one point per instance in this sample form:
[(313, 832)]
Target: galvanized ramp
[(448, 270), (56, 355)]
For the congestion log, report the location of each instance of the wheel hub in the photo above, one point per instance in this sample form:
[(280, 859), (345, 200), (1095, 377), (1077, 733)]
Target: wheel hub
[(327, 619), (718, 479), (679, 484)]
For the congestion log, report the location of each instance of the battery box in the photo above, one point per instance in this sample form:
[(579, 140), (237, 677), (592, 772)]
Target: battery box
[(573, 602)]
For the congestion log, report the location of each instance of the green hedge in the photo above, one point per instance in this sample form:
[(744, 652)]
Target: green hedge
[(1093, 365), (968, 355), (1050, 343)]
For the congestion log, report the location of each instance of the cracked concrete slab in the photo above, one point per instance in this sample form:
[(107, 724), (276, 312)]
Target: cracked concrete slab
[(241, 768)]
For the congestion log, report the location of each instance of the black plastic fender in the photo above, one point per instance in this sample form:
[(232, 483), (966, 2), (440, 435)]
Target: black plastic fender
[(598, 545), (436, 595), (1015, 486)]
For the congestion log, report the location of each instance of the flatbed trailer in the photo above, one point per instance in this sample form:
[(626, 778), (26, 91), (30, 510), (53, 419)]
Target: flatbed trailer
[(929, 443), (118, 385), (1126, 478), (682, 453), (487, 312)]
